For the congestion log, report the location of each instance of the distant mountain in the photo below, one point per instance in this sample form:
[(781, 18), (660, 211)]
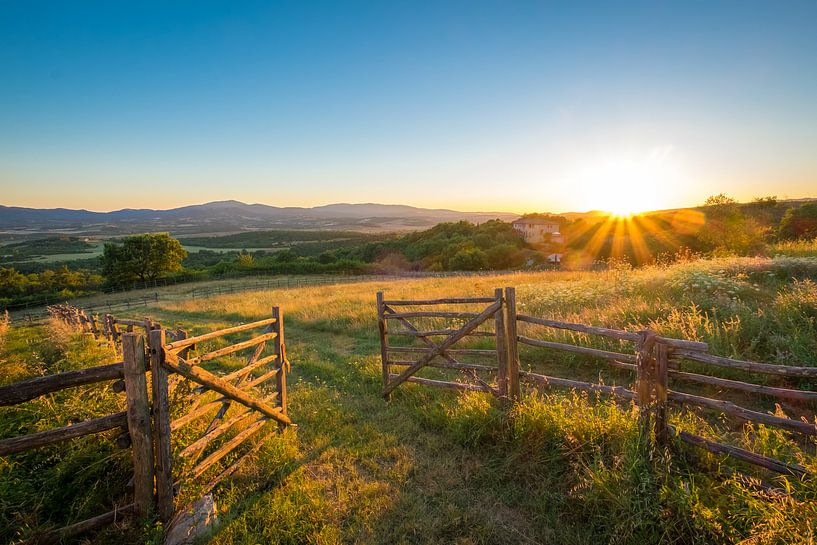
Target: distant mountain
[(234, 216)]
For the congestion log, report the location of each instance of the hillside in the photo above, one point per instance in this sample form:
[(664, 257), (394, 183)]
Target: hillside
[(234, 216)]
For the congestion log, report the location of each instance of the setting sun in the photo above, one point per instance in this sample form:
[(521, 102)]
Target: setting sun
[(627, 183)]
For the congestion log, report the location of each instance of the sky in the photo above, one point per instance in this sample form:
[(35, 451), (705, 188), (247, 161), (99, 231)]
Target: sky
[(500, 106)]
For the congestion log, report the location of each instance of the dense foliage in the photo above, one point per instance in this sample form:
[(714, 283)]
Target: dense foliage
[(142, 257), (800, 222), (19, 288)]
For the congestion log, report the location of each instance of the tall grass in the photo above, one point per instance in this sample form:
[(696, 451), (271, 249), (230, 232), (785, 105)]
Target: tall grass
[(435, 466)]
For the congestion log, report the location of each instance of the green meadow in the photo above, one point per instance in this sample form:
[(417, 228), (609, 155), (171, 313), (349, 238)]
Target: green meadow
[(435, 466)]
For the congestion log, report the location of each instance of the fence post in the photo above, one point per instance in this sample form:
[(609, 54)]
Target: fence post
[(281, 352), (501, 347), (661, 374), (384, 347), (514, 390), (136, 394), (161, 425), (645, 371)]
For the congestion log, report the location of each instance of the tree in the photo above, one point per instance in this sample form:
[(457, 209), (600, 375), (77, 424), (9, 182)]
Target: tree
[(720, 199), (800, 222), (142, 257)]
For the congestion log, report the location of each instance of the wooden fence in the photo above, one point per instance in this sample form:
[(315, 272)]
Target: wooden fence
[(165, 359), (654, 360)]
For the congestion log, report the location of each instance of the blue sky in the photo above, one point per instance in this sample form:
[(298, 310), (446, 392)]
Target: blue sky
[(470, 105)]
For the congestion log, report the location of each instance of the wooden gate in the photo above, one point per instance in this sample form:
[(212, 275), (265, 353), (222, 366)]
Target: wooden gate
[(432, 334), (216, 394)]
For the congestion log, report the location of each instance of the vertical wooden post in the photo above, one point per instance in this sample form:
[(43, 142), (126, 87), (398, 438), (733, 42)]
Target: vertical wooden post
[(661, 375), (94, 329), (136, 394), (161, 426), (384, 346), (281, 352), (645, 370), (514, 390), (501, 347)]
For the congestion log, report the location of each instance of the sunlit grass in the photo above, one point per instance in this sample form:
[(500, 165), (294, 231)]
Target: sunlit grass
[(435, 466)]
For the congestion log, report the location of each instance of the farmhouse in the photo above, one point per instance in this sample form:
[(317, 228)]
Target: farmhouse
[(538, 230)]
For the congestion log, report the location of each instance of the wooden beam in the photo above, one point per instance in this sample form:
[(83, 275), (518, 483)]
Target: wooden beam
[(165, 505), (449, 301), (211, 381), (752, 366), (215, 334), (612, 333), (771, 464), (617, 391), (136, 392), (432, 314), (57, 435), (730, 408), (51, 537), (447, 384), (577, 349), (237, 347), (226, 448), (384, 342), (25, 390), (512, 347)]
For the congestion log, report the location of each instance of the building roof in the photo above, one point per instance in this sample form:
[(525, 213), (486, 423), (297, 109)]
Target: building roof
[(535, 221)]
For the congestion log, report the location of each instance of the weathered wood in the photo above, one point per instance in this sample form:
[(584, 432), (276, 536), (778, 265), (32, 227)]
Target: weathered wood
[(783, 393), (512, 346), (165, 506), (755, 367), (133, 323), (211, 381), (52, 537), (617, 391), (612, 333), (215, 334), (449, 301), (211, 434), (438, 333), (644, 367), (467, 328), (226, 448), (425, 340), (240, 373), (237, 347), (447, 384), (25, 390), (447, 365), (727, 407), (384, 343), (235, 465), (279, 349), (431, 314), (577, 349), (501, 348), (771, 464), (136, 392), (265, 377), (660, 392), (57, 435), (451, 351), (206, 408)]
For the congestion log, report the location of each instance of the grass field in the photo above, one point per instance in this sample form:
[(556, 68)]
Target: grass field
[(433, 466)]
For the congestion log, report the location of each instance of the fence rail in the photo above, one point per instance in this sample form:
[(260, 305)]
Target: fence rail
[(168, 357), (654, 359)]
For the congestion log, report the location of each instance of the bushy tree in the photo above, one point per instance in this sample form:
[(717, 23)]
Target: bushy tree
[(728, 231), (799, 222), (142, 257)]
